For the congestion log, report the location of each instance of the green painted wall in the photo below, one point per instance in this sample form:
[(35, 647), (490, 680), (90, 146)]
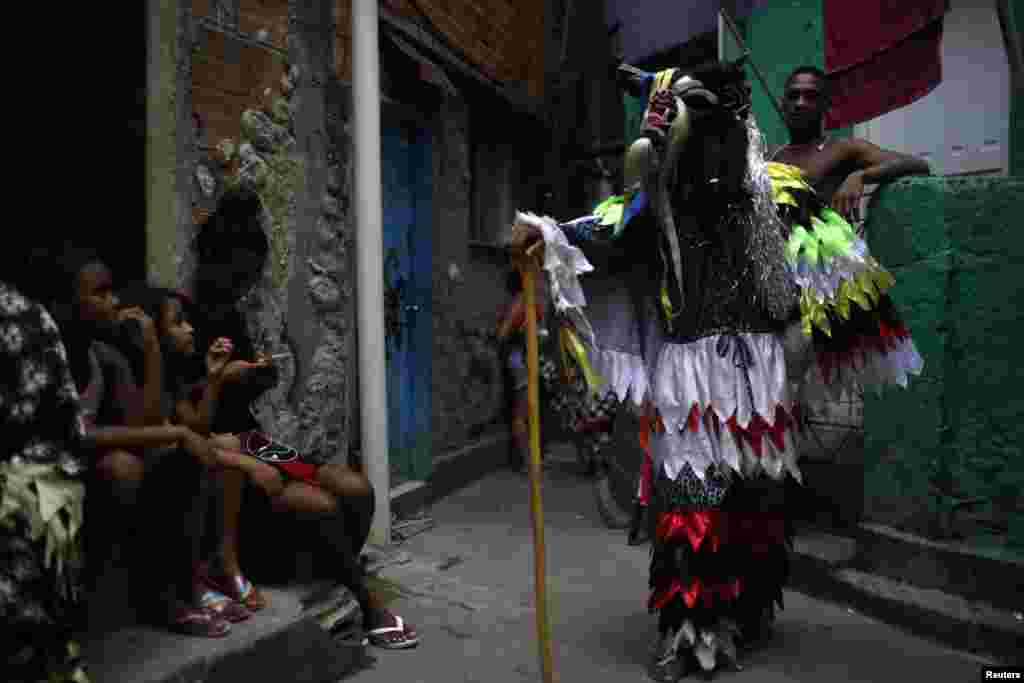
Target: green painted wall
[(958, 429), (783, 35)]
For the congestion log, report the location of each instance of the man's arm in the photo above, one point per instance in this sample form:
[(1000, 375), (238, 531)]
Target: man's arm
[(877, 165), (874, 165)]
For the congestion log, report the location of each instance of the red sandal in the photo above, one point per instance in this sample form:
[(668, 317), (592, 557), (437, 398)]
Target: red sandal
[(215, 601), (399, 636), (195, 621)]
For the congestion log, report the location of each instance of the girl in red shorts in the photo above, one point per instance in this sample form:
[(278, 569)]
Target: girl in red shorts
[(292, 483)]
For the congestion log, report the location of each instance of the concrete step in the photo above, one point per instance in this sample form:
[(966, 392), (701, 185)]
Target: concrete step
[(825, 566), (952, 567), (284, 642), (289, 641)]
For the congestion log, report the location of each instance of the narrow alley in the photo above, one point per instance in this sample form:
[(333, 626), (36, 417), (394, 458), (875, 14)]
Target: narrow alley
[(469, 587)]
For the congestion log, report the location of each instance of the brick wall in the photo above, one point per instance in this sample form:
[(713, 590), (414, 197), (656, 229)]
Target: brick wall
[(503, 38), (956, 433), (228, 77), (253, 16)]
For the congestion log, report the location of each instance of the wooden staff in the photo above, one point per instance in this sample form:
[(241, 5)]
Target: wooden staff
[(526, 271)]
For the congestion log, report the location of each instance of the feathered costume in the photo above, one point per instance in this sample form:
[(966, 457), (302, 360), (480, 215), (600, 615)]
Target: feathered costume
[(855, 331), (709, 259)]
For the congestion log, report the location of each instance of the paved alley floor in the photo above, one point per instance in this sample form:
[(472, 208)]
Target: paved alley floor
[(469, 582)]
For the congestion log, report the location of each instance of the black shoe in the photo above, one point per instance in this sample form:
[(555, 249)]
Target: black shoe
[(638, 526)]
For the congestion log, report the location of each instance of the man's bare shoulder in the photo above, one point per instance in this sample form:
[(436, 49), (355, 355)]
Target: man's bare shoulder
[(850, 148)]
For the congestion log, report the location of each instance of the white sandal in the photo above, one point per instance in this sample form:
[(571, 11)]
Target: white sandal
[(379, 636)]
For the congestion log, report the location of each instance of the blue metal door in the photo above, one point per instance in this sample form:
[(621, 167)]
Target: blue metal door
[(406, 167)]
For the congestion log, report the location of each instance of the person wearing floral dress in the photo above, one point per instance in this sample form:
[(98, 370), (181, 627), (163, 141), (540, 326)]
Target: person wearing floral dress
[(41, 496)]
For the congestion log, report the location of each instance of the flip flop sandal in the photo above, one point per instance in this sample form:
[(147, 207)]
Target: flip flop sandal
[(380, 637), (204, 623), (223, 606), (237, 587)]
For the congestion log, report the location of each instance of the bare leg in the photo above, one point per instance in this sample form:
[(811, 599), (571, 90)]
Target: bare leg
[(123, 472), (234, 483), (343, 481), (227, 577), (344, 532), (306, 500), (229, 453)]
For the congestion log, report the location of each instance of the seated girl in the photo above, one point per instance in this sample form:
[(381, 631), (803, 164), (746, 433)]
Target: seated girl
[(293, 483), (127, 438)]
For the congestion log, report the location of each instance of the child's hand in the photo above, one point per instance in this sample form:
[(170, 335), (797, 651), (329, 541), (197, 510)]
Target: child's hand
[(218, 355), (149, 334), (235, 369)]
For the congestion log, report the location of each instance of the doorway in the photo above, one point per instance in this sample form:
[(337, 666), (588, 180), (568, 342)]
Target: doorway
[(407, 178)]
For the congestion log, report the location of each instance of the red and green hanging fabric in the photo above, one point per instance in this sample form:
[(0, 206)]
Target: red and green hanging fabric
[(880, 55)]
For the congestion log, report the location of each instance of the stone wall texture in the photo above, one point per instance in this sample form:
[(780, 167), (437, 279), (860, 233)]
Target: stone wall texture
[(955, 434), (467, 389), (257, 90), (270, 110)]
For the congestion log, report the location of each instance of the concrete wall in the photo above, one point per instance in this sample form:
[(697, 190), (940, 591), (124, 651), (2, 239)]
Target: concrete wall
[(258, 88), (467, 389), (163, 205), (298, 158), (955, 434)]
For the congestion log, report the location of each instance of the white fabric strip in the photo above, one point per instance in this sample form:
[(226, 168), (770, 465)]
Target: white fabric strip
[(625, 373), (564, 264), (878, 371), (703, 449), (695, 373)]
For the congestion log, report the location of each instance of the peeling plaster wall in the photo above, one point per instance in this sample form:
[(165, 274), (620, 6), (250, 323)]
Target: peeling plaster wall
[(285, 152), (321, 297)]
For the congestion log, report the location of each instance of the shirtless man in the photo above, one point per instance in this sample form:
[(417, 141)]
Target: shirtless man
[(836, 169)]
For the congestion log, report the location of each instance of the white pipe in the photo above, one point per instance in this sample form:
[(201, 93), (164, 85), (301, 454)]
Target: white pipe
[(721, 38), (368, 204)]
